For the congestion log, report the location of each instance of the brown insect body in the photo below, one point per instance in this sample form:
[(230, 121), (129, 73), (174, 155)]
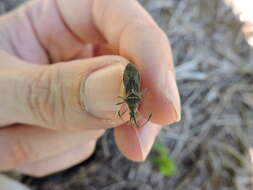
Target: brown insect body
[(132, 85)]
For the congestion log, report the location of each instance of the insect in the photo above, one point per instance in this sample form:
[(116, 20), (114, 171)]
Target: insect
[(133, 94)]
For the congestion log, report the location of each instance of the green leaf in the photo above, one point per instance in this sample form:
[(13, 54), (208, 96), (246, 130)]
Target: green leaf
[(162, 161)]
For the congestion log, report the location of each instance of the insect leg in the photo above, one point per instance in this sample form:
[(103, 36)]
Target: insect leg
[(135, 122), (120, 103), (149, 117), (121, 98), (120, 114)]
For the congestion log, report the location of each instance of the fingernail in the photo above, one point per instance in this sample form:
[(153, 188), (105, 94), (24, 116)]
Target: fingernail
[(172, 94), (147, 136), (101, 91), (136, 143)]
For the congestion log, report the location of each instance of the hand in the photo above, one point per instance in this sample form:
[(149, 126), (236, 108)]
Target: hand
[(52, 114)]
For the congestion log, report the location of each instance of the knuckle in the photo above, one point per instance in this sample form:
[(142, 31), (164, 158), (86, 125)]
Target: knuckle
[(38, 97), (151, 27), (143, 25), (44, 98)]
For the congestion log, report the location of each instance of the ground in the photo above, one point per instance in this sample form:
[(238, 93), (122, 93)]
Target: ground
[(211, 144)]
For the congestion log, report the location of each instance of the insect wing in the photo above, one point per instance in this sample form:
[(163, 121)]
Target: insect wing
[(131, 79)]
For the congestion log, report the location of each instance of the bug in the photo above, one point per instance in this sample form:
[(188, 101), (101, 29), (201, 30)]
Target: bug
[(133, 94)]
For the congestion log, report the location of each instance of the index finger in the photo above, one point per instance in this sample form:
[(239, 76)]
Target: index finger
[(132, 33)]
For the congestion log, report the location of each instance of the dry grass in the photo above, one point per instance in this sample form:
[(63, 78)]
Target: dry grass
[(212, 141), (211, 144)]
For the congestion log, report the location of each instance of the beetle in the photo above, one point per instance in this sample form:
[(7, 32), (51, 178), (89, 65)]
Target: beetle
[(133, 94)]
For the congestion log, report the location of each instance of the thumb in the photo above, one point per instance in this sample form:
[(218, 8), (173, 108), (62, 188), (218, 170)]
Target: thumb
[(69, 95)]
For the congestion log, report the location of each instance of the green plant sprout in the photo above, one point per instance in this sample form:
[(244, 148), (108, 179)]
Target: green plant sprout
[(162, 161)]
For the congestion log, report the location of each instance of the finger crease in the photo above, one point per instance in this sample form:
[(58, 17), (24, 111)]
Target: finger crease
[(35, 32), (65, 24)]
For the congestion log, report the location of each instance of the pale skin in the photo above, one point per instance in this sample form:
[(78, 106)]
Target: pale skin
[(52, 114)]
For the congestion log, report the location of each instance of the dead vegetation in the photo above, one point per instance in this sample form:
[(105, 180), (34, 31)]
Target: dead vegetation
[(211, 144)]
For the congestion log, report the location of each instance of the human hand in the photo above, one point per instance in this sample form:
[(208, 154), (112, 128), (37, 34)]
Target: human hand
[(52, 114)]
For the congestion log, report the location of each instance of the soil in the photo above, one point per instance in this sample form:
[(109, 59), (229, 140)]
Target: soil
[(211, 144)]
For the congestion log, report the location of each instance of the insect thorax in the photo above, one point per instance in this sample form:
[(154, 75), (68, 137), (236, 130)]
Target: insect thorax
[(133, 100)]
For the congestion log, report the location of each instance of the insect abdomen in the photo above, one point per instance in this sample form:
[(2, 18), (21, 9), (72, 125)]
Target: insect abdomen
[(131, 79)]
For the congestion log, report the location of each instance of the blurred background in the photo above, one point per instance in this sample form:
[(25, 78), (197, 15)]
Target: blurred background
[(210, 148)]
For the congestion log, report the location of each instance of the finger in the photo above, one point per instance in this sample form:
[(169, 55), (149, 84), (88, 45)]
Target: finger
[(134, 34), (59, 162), (135, 143), (93, 50), (81, 23), (72, 95), (51, 35), (27, 144), (43, 34)]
